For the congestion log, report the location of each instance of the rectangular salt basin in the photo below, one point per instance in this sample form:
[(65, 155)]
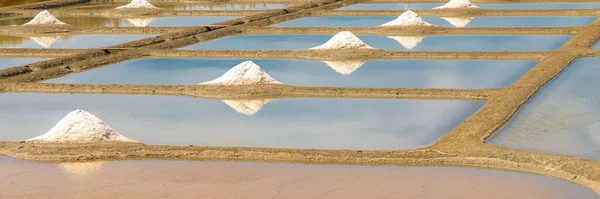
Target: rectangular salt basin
[(97, 22), (393, 43), (280, 123), (184, 179), (13, 62), (468, 22), (6, 3), (195, 6), (428, 6), (67, 41), (563, 118), (374, 74)]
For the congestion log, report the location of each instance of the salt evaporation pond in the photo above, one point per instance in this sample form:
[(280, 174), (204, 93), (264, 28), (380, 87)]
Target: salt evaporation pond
[(67, 41), (428, 43), (96, 22), (428, 6), (373, 21), (374, 74), (13, 62), (185, 179), (280, 123), (227, 6), (18, 2), (563, 118)]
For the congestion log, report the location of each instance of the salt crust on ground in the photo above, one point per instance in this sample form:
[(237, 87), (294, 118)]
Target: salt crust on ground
[(344, 67), (138, 4), (408, 42), (80, 126), (458, 22), (140, 22), (407, 18), (246, 107), (246, 73), (457, 4), (44, 18), (343, 40)]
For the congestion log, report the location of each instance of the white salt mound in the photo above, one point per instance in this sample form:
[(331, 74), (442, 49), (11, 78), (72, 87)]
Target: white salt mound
[(140, 22), (458, 22), (44, 18), (45, 41), (343, 40), (246, 107), (80, 126), (408, 42), (457, 4), (138, 4), (344, 67), (246, 73), (408, 18)]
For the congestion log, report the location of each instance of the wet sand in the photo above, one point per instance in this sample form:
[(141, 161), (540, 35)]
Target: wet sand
[(178, 179)]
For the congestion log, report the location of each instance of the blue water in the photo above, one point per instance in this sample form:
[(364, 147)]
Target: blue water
[(286, 123), (97, 22), (71, 41), (13, 62), (429, 43), (373, 21), (563, 118), (375, 74), (427, 6), (235, 6)]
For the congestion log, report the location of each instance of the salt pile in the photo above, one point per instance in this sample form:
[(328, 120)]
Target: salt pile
[(138, 4), (44, 18), (343, 40), (344, 67), (246, 73), (80, 126), (140, 22), (45, 41), (457, 4), (81, 168), (459, 22), (408, 18), (246, 107), (408, 42)]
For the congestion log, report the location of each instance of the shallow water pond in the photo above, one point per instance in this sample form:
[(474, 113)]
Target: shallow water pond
[(427, 6), (96, 22), (563, 118), (7, 3), (279, 123), (373, 21), (390, 43), (375, 74), (13, 62), (189, 179), (67, 41), (228, 6)]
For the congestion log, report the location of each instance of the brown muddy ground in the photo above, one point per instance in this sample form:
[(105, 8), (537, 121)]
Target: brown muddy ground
[(464, 146)]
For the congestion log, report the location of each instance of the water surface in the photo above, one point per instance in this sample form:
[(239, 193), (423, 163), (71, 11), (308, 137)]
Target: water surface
[(373, 21), (97, 22), (67, 41), (280, 123), (228, 6), (427, 6), (6, 3), (188, 179), (429, 43), (13, 62), (563, 118), (374, 74)]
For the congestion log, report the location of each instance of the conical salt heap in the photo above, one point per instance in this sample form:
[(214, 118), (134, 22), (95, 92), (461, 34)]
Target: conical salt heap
[(45, 41), (140, 22), (408, 42), (246, 107), (44, 18), (246, 73), (138, 4), (343, 40), (458, 22), (457, 4), (407, 18), (344, 67), (80, 126)]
